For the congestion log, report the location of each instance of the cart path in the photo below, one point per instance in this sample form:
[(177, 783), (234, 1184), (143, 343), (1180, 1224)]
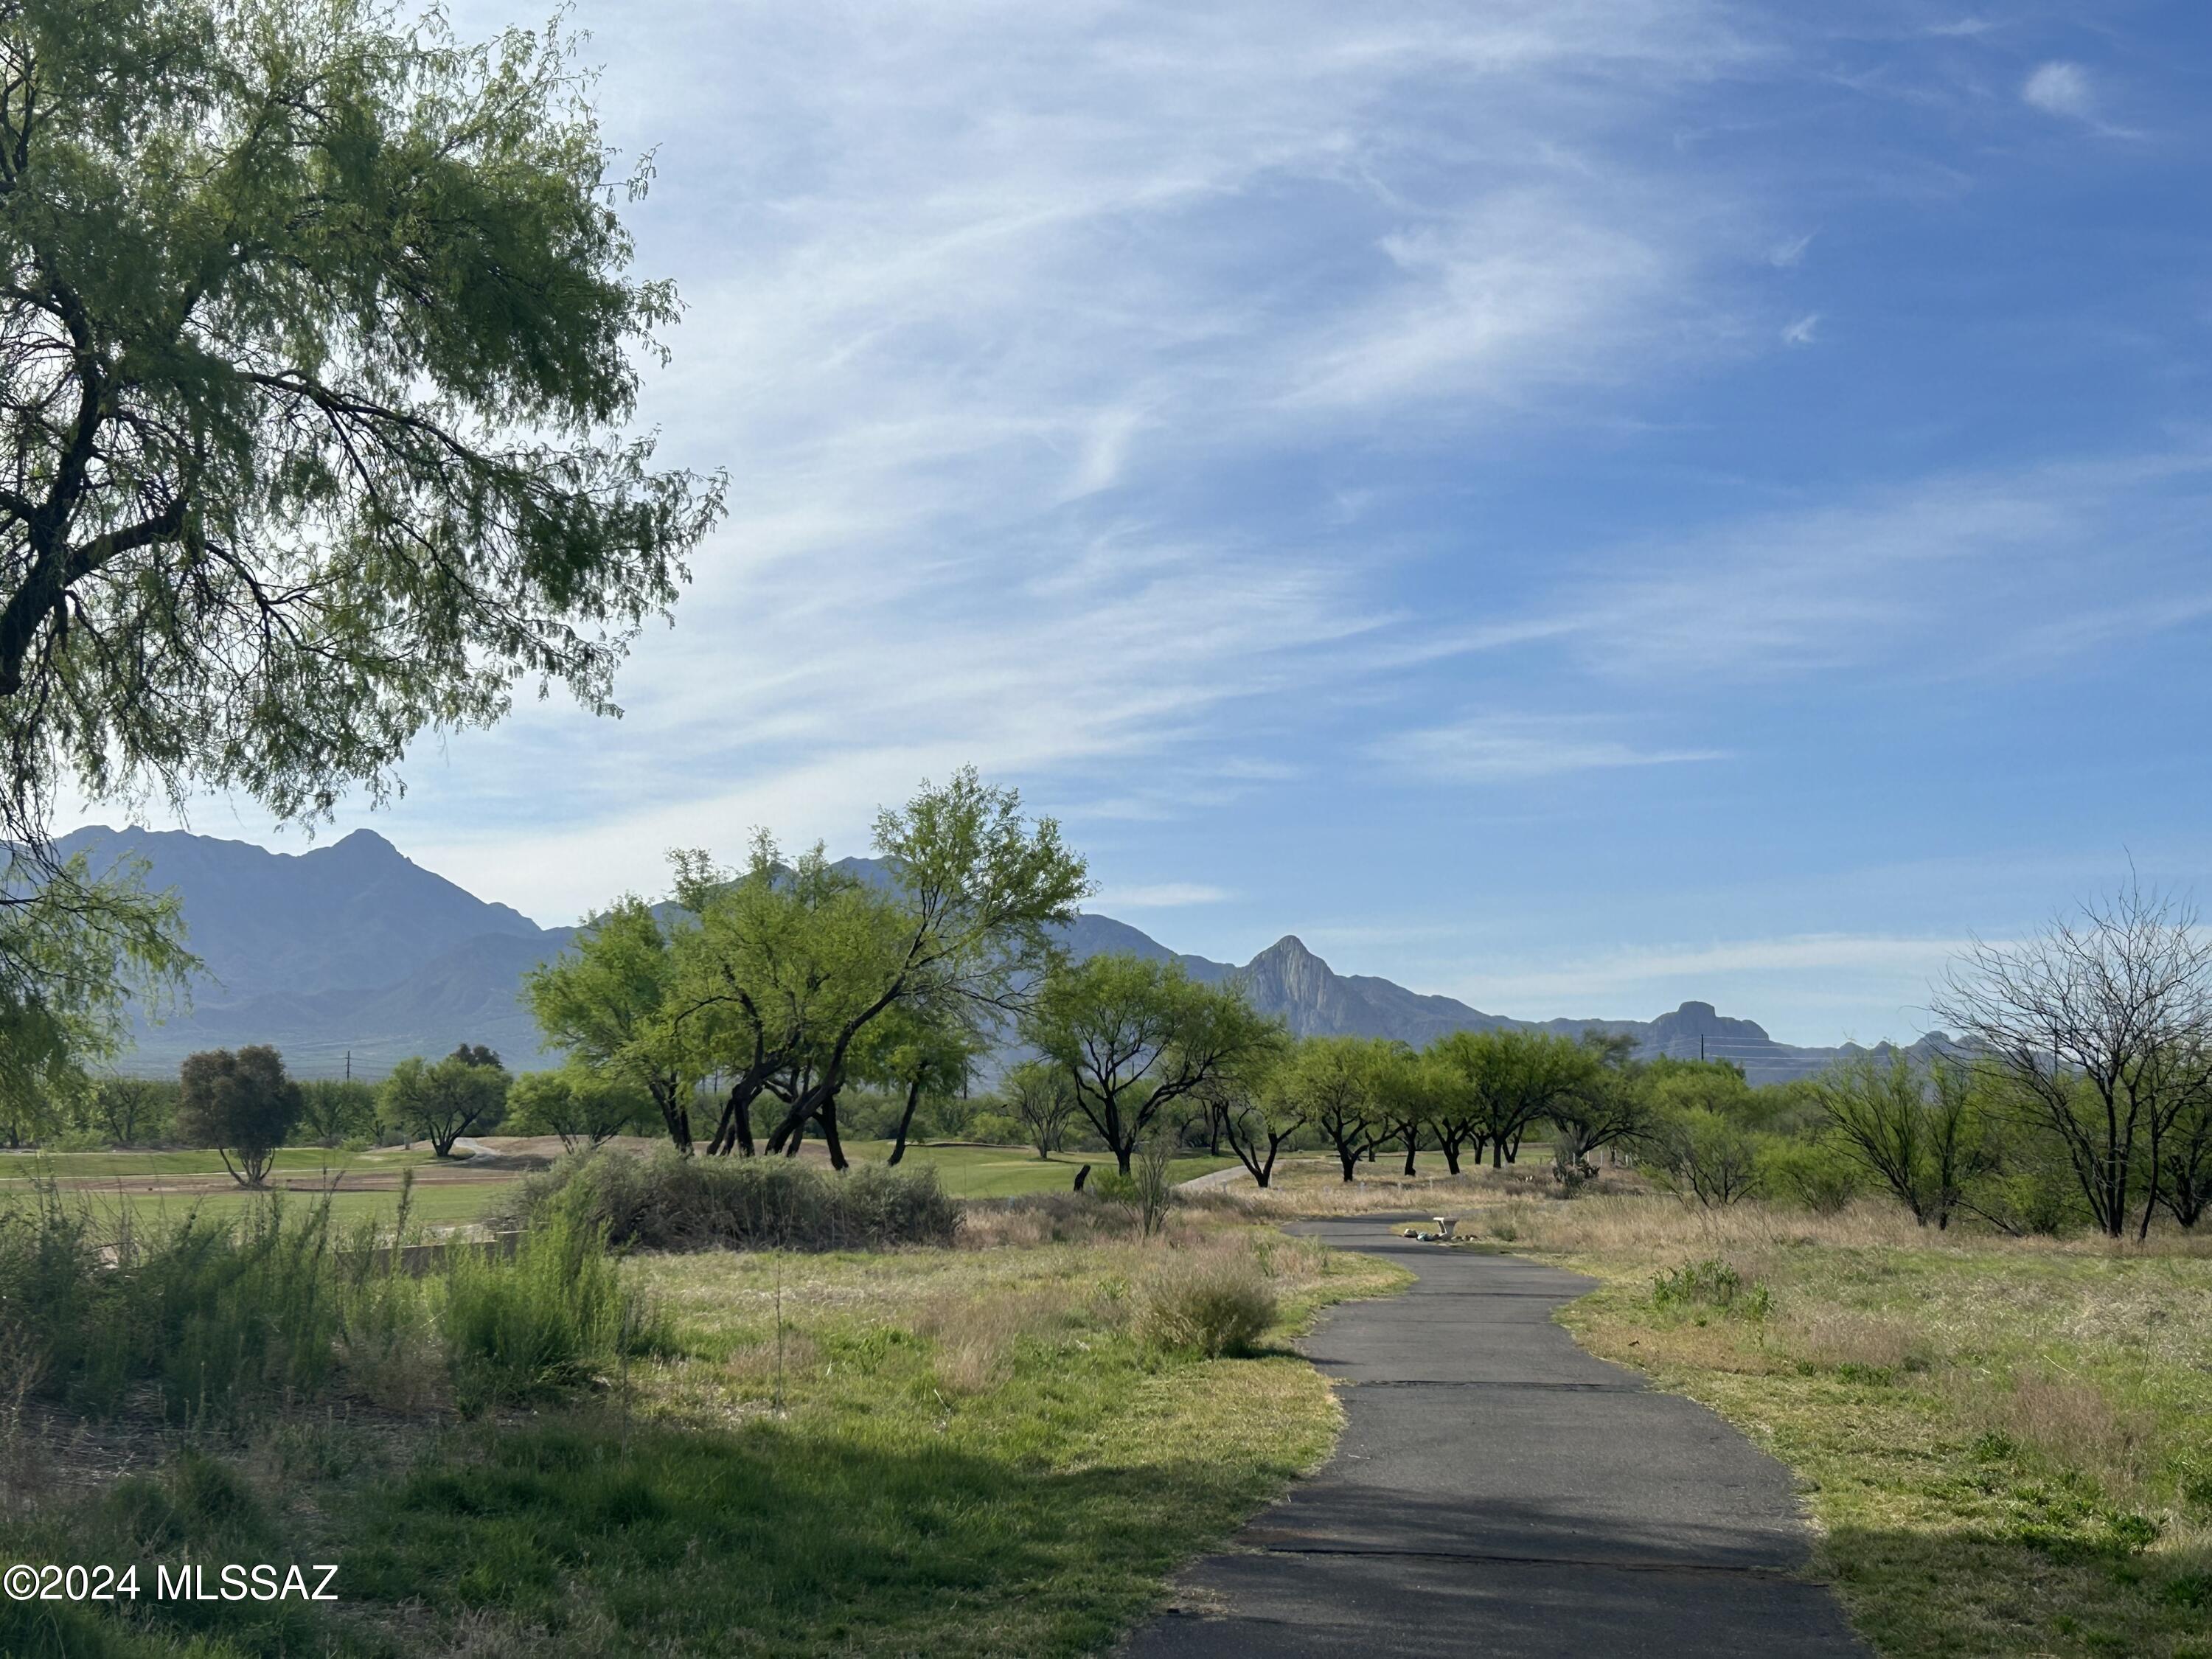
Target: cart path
[(1500, 1491)]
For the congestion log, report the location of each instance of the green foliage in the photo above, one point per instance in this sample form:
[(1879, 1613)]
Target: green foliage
[(553, 1317), (1711, 1284), (442, 1102), (1494, 1086), (335, 1110), (1817, 1173), (1924, 1132), (1210, 1303), (316, 364), (581, 1106), (1705, 1155), (241, 1104), (1040, 1096), (216, 1320), (77, 945), (1135, 1035), (1335, 1084), (669, 1202), (342, 309), (606, 1001), (129, 1111)]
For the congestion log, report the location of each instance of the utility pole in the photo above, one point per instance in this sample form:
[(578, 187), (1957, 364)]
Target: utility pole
[(349, 1065), (1701, 1048)]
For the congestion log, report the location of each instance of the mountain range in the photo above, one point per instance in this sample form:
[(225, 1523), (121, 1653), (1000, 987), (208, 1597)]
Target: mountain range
[(351, 957)]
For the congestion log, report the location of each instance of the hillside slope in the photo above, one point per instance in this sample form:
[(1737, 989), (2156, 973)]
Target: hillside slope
[(353, 955)]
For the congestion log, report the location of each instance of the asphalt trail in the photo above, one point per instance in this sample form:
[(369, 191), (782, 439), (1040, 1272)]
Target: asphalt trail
[(1500, 1491)]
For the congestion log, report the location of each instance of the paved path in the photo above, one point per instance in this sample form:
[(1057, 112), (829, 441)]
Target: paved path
[(1498, 1491)]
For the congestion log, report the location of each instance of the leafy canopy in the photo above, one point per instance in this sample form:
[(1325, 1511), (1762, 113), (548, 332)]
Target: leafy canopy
[(317, 342), (441, 1102), (240, 1103), (1135, 1035)]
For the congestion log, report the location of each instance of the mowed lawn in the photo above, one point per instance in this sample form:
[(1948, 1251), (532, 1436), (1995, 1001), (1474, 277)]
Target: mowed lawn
[(160, 1185)]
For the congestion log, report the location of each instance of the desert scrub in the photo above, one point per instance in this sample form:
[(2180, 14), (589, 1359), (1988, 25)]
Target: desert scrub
[(2001, 1441), (1211, 1301), (665, 1201)]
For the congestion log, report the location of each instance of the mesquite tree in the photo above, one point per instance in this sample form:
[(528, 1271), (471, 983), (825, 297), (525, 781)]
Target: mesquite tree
[(1331, 1081), (1135, 1036), (605, 1001), (1919, 1129), (1041, 1099), (318, 346), (241, 1104)]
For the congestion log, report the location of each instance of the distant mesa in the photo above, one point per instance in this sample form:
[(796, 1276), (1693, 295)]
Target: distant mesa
[(353, 950)]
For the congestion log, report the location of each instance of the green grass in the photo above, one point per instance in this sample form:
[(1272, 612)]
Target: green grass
[(957, 1452), (436, 1204), (290, 1161), (1007, 1172), (967, 1171), (2004, 1445)]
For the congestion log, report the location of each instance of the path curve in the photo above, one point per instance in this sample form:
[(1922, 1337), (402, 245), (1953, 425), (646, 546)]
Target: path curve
[(1500, 1491)]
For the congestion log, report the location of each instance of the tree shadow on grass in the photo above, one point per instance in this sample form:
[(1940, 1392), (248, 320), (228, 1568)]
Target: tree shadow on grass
[(765, 1541), (1997, 1592)]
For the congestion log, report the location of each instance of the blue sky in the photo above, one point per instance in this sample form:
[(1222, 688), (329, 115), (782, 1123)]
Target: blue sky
[(1575, 504)]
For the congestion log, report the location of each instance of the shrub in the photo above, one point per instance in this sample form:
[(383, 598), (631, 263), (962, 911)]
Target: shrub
[(1704, 1156), (554, 1317), (1215, 1303), (215, 1317), (1819, 1176), (670, 1202), (1711, 1283)]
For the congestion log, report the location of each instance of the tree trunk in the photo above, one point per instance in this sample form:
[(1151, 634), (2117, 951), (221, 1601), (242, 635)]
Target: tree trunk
[(675, 1113), (906, 1119), (826, 1114), (1451, 1154), (735, 1131)]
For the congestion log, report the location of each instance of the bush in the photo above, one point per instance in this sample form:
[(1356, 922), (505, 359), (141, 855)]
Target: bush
[(553, 1317), (1705, 1157), (215, 1317), (1711, 1283), (1216, 1303), (670, 1202), (1822, 1177)]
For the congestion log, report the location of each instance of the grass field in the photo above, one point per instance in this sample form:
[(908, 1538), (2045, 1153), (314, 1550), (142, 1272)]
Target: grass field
[(958, 1452), (156, 1186)]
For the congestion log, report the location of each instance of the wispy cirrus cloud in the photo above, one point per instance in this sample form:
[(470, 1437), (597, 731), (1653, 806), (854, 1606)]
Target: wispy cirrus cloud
[(1815, 976), (1515, 748), (1158, 896), (2066, 90), (1873, 580)]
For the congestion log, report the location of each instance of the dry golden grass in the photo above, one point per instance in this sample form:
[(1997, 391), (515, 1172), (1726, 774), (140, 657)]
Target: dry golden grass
[(2002, 1440)]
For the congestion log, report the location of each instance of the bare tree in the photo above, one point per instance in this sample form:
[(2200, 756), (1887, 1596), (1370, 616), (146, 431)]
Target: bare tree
[(2101, 1026)]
